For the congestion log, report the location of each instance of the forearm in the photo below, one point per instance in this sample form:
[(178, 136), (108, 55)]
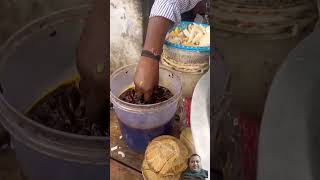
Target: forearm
[(94, 44), (156, 33), (96, 29), (92, 54)]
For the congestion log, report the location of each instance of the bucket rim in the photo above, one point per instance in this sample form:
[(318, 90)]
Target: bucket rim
[(145, 107)]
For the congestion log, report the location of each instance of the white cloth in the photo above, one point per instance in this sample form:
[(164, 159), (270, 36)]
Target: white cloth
[(172, 9)]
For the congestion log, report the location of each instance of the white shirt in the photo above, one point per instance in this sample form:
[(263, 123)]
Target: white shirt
[(172, 9)]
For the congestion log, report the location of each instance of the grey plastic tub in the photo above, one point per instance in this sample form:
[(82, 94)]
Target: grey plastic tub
[(32, 62)]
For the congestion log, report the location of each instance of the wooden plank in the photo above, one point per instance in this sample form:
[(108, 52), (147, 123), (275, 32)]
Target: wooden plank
[(119, 171), (131, 159)]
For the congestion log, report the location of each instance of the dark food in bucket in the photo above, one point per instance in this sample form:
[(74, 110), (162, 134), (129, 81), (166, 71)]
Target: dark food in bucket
[(64, 110), (160, 94)]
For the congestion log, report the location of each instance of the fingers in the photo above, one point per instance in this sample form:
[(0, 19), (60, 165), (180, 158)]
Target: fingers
[(138, 89), (141, 94), (147, 96), (138, 95), (146, 79)]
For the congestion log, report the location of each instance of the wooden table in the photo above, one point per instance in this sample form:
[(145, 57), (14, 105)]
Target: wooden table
[(122, 168), (128, 167)]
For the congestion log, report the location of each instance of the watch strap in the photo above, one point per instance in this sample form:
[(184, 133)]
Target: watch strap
[(150, 54)]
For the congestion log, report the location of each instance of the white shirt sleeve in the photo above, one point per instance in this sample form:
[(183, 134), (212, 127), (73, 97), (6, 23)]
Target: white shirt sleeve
[(172, 9)]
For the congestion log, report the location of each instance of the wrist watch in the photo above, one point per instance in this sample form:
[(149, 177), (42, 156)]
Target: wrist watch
[(149, 54)]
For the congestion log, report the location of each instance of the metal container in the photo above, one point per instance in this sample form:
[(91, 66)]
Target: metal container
[(34, 61)]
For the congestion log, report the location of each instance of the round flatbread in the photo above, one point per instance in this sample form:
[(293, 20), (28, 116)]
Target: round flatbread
[(166, 155), (148, 174), (184, 67)]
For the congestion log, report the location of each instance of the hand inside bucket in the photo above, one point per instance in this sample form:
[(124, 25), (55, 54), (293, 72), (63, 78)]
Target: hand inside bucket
[(160, 94)]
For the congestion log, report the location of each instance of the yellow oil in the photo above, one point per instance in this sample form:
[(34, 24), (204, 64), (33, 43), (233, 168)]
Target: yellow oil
[(74, 80)]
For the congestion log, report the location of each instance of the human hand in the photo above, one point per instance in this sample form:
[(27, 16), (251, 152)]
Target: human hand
[(146, 78), (147, 72)]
